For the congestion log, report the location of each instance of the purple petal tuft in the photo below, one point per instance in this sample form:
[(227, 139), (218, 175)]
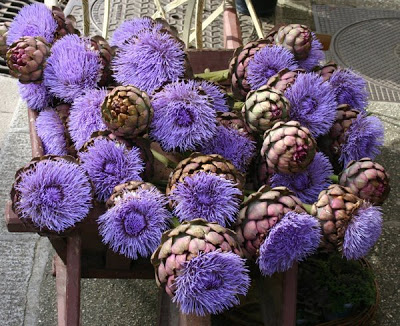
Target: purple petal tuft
[(215, 96), (51, 131), (207, 196), (292, 239), (134, 226), (315, 56), (210, 283), (36, 95), (362, 232)]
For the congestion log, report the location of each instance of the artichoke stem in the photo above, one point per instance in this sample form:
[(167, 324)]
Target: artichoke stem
[(175, 222), (215, 76), (334, 178), (307, 207), (164, 160), (238, 106)]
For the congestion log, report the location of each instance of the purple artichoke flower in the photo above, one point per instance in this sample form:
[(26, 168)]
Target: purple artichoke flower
[(232, 145), (55, 195), (85, 116), (149, 61), (211, 283), (72, 68), (36, 95), (362, 232), (315, 56), (292, 239), (350, 88), (267, 62), (134, 226), (183, 118), (363, 139), (32, 20), (312, 103), (132, 28), (109, 164), (308, 184), (206, 196), (215, 96), (51, 132)]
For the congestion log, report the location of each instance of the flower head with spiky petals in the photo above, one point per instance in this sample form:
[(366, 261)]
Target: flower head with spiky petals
[(32, 20), (350, 88), (36, 95), (132, 28), (211, 283), (362, 232), (267, 62), (55, 195), (215, 95), (312, 103), (72, 68), (133, 227), (363, 139), (183, 118), (149, 61), (232, 145), (51, 132), (109, 164), (292, 239), (315, 56), (207, 196), (85, 116), (308, 184)]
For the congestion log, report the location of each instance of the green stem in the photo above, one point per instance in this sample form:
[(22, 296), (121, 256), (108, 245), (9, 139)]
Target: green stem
[(164, 160), (307, 207), (238, 106), (334, 178), (216, 76), (175, 222), (161, 183)]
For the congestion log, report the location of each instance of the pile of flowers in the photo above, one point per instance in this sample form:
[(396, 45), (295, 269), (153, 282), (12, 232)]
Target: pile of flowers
[(250, 182)]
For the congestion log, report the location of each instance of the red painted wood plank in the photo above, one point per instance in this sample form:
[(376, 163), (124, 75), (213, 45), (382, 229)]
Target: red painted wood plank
[(232, 31), (289, 296)]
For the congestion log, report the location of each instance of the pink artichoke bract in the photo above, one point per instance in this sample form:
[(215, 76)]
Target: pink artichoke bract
[(296, 38)]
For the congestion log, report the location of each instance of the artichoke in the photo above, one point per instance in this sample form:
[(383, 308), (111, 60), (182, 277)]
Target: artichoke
[(130, 186), (3, 38), (296, 38), (106, 54), (233, 120), (65, 25), (284, 79), (326, 70)]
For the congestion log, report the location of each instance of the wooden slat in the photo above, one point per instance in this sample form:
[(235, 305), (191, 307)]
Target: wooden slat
[(211, 59), (117, 261), (61, 282), (36, 143), (289, 296), (193, 320)]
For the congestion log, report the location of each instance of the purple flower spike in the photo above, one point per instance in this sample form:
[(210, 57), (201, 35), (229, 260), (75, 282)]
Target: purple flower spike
[(292, 239), (51, 132), (312, 103), (350, 88), (206, 196), (32, 20), (72, 68), (232, 145), (362, 232), (363, 139), (55, 195), (85, 116), (109, 164), (315, 56), (211, 282), (308, 184), (267, 62), (149, 61), (132, 28), (183, 118), (215, 96), (36, 95), (134, 226)]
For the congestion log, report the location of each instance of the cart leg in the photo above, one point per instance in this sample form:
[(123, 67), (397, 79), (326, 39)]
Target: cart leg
[(232, 31), (193, 320), (289, 296), (68, 277)]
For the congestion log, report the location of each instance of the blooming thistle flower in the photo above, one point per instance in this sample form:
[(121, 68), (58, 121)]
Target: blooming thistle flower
[(72, 68), (363, 139), (267, 62), (315, 56), (207, 196), (32, 20), (362, 232), (350, 88), (292, 239), (54, 194), (232, 145), (134, 226), (308, 184), (109, 164), (183, 118), (211, 283), (36, 95), (51, 132), (312, 103), (132, 28), (149, 61), (85, 116), (215, 95)]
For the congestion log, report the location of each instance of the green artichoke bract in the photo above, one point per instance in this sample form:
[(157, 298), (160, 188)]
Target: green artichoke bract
[(127, 111), (3, 38), (264, 107), (296, 38), (284, 79)]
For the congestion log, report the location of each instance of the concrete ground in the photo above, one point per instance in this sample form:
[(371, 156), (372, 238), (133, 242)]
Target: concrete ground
[(27, 288)]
